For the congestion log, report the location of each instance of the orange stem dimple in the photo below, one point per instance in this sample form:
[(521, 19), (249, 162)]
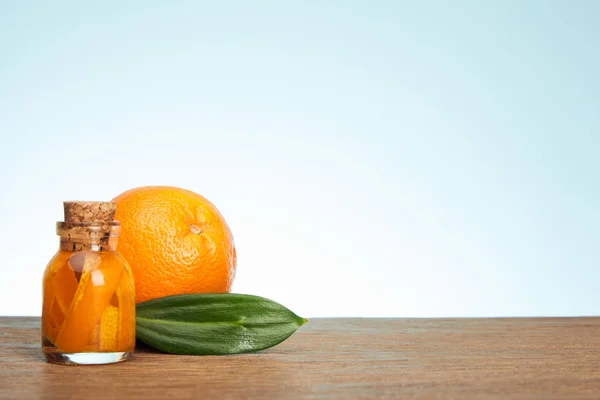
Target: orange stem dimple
[(95, 290)]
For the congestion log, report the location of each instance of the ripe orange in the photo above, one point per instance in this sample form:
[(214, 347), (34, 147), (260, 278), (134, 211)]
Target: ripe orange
[(176, 242)]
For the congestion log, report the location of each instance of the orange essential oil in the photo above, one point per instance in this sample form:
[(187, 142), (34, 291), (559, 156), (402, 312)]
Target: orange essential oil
[(88, 313)]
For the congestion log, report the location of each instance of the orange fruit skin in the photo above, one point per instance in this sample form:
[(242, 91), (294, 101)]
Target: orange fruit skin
[(176, 242)]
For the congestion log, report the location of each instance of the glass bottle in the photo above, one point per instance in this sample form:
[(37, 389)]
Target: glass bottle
[(88, 313)]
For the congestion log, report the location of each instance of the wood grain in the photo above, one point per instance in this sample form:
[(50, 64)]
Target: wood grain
[(539, 358)]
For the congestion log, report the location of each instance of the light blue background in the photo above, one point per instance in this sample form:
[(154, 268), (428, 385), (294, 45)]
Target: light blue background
[(373, 158)]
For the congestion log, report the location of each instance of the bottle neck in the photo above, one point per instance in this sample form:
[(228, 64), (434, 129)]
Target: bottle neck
[(100, 244), (93, 236)]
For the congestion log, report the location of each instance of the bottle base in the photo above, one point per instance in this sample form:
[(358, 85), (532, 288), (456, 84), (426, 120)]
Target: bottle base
[(57, 357)]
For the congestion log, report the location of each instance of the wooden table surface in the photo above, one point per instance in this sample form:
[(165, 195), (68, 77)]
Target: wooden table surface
[(539, 358)]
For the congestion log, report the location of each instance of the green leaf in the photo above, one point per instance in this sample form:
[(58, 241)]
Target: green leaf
[(215, 324)]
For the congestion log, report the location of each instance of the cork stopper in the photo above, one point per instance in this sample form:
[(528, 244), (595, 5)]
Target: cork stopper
[(89, 211)]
